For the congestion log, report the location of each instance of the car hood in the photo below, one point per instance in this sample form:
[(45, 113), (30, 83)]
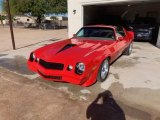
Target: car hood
[(72, 49)]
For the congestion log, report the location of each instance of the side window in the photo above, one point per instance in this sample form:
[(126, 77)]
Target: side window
[(81, 33), (119, 30)]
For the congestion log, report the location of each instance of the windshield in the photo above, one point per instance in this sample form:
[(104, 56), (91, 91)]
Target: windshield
[(97, 33)]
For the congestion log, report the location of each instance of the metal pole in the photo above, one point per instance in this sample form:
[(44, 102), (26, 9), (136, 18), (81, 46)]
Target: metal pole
[(10, 24)]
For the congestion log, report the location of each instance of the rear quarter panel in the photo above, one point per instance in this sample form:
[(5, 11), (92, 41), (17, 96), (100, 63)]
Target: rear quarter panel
[(130, 35)]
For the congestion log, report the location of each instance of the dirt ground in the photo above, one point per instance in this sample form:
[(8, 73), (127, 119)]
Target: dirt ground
[(25, 37), (22, 99), (134, 82)]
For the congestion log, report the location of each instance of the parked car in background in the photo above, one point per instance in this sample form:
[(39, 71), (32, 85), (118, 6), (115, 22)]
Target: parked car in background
[(48, 24), (83, 59), (144, 28), (143, 32)]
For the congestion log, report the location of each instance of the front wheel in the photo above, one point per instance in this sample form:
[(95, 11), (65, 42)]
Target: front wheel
[(103, 71), (128, 50)]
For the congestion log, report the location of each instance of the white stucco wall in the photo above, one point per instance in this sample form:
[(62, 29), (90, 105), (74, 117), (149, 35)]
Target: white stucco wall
[(158, 39)]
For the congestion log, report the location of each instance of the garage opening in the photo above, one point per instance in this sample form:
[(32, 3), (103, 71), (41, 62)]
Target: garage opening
[(143, 17)]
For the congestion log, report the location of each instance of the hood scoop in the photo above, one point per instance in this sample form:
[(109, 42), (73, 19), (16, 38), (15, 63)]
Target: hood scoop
[(67, 47)]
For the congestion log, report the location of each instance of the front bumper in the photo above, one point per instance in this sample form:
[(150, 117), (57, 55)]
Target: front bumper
[(86, 79)]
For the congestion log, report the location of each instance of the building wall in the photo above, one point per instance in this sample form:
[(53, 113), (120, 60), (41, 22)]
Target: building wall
[(75, 20), (158, 39)]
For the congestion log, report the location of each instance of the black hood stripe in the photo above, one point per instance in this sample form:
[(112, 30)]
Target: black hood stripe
[(67, 47)]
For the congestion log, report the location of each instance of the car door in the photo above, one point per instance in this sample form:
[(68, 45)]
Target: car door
[(121, 40)]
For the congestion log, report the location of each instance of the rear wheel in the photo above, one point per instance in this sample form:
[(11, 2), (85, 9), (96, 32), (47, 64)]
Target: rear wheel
[(103, 71), (128, 51)]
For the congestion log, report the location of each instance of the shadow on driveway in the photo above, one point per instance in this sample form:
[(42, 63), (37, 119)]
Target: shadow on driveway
[(104, 107)]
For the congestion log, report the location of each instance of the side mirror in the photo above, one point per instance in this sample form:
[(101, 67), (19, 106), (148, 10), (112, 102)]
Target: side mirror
[(74, 35), (120, 38)]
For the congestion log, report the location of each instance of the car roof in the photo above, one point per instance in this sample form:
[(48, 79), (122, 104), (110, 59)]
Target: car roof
[(108, 26)]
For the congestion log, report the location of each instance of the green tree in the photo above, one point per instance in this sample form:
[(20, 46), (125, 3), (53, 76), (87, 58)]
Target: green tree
[(54, 18), (2, 17), (37, 8)]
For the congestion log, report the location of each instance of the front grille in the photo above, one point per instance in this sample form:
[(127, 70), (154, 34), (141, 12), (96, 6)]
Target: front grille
[(49, 65), (51, 77)]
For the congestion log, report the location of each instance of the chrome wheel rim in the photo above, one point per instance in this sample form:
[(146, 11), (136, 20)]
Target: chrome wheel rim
[(104, 69)]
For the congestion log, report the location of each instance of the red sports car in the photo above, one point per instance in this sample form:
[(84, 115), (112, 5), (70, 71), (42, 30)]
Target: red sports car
[(85, 58)]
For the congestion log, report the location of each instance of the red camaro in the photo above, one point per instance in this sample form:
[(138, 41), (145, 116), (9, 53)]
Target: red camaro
[(85, 58)]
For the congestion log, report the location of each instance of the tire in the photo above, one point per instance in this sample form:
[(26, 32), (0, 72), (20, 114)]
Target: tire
[(128, 50), (26, 25), (103, 70)]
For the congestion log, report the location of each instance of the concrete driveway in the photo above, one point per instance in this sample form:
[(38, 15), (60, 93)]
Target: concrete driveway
[(134, 82)]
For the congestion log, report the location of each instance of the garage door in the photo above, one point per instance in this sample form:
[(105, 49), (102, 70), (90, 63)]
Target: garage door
[(139, 15)]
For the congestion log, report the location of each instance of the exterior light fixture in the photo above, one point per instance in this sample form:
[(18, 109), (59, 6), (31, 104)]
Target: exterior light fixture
[(74, 11)]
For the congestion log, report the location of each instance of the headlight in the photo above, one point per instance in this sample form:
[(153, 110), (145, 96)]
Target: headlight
[(80, 68), (32, 57)]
